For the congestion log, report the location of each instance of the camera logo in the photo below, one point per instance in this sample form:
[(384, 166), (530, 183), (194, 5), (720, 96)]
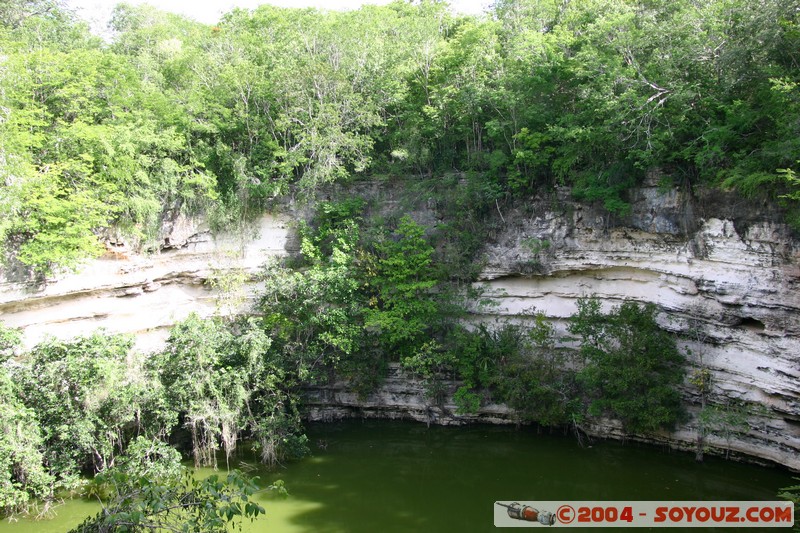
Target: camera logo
[(529, 514)]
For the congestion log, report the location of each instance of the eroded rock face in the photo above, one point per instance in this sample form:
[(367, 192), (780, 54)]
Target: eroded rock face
[(144, 295), (728, 287), (400, 396), (725, 278)]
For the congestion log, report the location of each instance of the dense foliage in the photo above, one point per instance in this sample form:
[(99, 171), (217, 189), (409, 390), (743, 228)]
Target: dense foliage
[(358, 298), (151, 491), (626, 368), (106, 140), (633, 366), (359, 295), (187, 504), (520, 367)]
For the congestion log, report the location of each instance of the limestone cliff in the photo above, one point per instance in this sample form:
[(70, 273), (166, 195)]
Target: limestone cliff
[(724, 277), (144, 295)]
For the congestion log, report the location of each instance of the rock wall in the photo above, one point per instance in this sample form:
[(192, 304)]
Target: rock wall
[(723, 275), (145, 295), (725, 279), (400, 396)]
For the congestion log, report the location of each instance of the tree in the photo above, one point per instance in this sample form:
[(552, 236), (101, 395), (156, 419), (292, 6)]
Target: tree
[(23, 476), (226, 380), (200, 383), (793, 196), (150, 491), (88, 144), (53, 227), (10, 342), (632, 366), (403, 308), (13, 13), (85, 397), (701, 378)]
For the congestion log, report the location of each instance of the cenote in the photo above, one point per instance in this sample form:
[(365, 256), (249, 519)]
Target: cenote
[(391, 476)]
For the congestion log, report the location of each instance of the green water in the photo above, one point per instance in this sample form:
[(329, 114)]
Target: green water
[(381, 476)]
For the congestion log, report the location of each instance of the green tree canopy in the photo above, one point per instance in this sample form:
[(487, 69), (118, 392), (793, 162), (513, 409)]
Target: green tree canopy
[(632, 366)]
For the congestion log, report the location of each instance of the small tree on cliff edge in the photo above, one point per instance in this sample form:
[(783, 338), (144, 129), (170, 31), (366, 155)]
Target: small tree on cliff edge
[(632, 366)]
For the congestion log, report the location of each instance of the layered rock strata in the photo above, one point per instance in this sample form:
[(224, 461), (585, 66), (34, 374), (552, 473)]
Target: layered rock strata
[(123, 292), (723, 274), (400, 396), (725, 280)]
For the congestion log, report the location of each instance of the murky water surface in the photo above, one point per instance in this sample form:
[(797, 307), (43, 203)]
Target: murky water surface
[(383, 476)]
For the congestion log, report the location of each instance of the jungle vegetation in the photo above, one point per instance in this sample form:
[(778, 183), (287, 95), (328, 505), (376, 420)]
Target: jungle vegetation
[(106, 139), (358, 297)]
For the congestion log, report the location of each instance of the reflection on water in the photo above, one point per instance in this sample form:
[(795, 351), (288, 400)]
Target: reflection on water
[(382, 476)]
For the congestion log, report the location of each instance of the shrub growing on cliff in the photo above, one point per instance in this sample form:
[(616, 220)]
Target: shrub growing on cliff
[(521, 367), (402, 308), (536, 381), (632, 366), (313, 313)]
